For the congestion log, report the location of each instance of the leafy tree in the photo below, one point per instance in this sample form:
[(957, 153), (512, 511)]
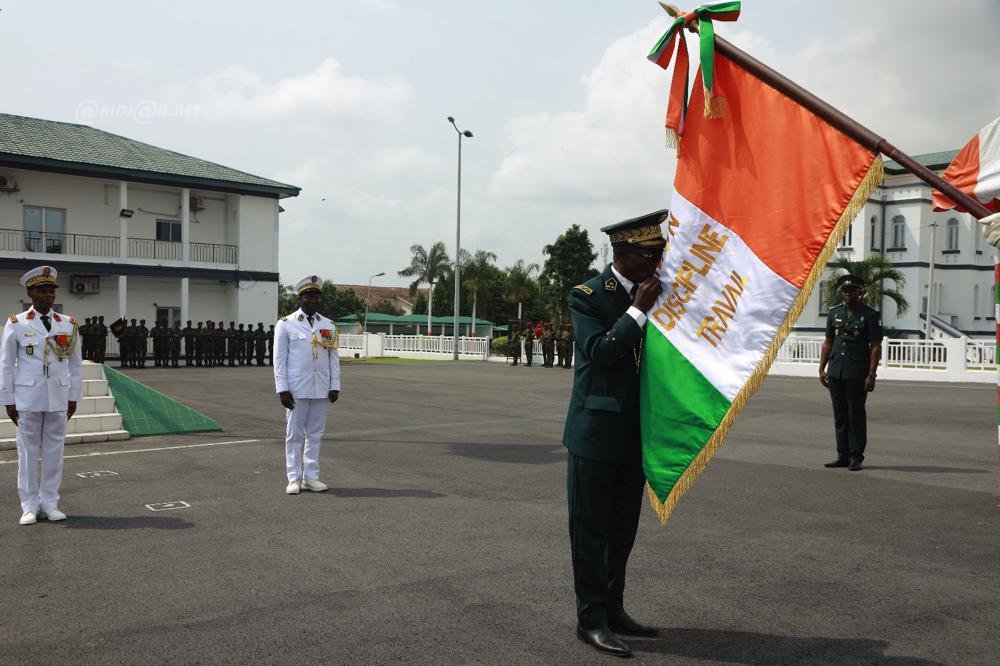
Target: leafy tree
[(478, 274), (427, 267), (337, 303), (288, 300), (520, 285), (385, 306), (569, 263), (873, 272)]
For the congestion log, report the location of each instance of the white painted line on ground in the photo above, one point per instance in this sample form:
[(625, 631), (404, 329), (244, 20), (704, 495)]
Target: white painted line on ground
[(96, 474), (168, 506), (159, 448)]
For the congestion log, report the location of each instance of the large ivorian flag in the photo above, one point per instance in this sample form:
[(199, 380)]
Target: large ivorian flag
[(761, 198)]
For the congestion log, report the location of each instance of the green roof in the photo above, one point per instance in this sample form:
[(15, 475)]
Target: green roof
[(933, 161), (380, 318), (48, 145)]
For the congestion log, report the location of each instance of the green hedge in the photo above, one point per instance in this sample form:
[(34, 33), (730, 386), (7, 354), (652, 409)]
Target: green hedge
[(499, 345)]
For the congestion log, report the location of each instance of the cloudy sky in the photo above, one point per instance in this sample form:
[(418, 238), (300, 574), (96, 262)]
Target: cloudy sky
[(348, 99)]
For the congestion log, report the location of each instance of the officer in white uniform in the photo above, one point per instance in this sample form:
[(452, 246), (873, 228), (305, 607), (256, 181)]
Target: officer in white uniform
[(41, 382), (306, 376)]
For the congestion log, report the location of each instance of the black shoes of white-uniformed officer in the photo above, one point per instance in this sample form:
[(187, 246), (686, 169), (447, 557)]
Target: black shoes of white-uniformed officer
[(854, 464), (603, 640), (839, 462), (624, 624)]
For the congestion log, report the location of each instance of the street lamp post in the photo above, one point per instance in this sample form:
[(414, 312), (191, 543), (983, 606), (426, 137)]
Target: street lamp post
[(458, 233), (368, 299)]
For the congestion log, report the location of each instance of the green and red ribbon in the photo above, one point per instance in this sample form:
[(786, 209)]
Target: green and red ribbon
[(663, 50)]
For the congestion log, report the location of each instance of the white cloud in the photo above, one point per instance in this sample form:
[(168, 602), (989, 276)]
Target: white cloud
[(326, 93), (408, 161)]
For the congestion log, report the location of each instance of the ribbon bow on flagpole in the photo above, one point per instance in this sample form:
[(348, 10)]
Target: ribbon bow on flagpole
[(663, 50)]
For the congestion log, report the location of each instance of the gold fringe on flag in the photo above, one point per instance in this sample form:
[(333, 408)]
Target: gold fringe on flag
[(715, 107), (873, 178)]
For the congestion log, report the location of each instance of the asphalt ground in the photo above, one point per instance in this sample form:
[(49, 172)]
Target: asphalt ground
[(443, 539)]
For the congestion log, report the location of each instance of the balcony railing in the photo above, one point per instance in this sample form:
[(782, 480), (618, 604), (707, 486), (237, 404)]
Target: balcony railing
[(18, 240)]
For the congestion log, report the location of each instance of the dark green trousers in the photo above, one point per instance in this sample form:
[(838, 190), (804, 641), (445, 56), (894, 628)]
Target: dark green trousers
[(604, 504), (849, 418)]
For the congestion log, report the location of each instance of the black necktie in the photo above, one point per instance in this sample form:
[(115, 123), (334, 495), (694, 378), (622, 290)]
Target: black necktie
[(45, 323), (631, 292), (309, 318)]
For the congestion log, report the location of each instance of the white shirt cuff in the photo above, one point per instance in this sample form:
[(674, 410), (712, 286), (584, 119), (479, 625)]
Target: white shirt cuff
[(637, 314)]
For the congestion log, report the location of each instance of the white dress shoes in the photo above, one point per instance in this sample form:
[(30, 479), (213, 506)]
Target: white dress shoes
[(293, 488), (52, 515), (314, 485), (28, 518)]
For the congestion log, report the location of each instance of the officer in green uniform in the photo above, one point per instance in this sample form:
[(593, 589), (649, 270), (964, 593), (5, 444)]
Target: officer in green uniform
[(548, 347), (141, 343), (188, 333), (604, 478), (249, 344), (848, 362), (85, 331), (174, 345), (270, 345), (231, 344), (220, 344), (128, 344), (528, 335), (241, 346), (157, 335), (260, 342), (567, 354), (199, 345), (100, 339), (514, 344)]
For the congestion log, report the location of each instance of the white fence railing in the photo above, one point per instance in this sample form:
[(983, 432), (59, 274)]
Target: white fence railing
[(413, 346), (953, 359)]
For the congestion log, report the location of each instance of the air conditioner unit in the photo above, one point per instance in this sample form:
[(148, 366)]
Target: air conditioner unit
[(8, 184), (196, 203), (85, 284)]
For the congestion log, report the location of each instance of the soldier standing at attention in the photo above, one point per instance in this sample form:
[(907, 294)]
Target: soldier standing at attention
[(157, 335), (568, 347), (40, 383), (548, 347), (605, 477), (270, 345), (129, 336), (220, 345), (175, 345), (86, 341), (199, 336), (529, 344), (241, 346), (852, 348), (248, 341), (514, 344), (306, 376), (260, 342), (188, 333), (141, 343), (100, 339), (231, 344)]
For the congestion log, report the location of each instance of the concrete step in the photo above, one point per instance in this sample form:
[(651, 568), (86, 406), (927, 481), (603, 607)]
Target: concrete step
[(10, 443), (79, 424), (95, 388), (92, 370)]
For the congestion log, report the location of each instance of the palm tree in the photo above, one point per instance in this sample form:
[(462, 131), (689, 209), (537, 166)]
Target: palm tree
[(478, 272), (873, 272), (519, 283), (427, 267)]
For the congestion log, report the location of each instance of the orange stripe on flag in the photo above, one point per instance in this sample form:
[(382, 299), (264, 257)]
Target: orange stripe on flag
[(773, 172)]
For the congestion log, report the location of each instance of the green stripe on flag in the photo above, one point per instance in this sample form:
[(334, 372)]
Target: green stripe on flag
[(675, 400)]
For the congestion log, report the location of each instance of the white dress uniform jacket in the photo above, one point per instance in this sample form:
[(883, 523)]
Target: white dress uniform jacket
[(34, 375), (301, 364)]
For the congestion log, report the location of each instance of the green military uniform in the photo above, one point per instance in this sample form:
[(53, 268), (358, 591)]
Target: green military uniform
[(199, 344), (85, 331), (141, 343), (220, 344), (231, 344), (158, 338), (853, 334), (270, 345), (248, 341), (604, 477), (174, 336), (566, 356), (548, 348), (188, 333), (529, 344), (260, 342), (514, 345), (241, 346), (127, 348), (100, 339)]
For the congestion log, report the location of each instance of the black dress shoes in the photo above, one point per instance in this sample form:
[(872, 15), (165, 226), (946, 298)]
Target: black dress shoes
[(854, 465), (624, 624), (603, 640), (839, 462)]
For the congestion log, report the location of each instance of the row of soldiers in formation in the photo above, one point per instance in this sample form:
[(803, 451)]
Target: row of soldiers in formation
[(552, 342), (206, 346)]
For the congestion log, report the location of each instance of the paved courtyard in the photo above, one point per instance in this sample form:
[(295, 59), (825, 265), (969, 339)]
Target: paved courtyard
[(443, 538)]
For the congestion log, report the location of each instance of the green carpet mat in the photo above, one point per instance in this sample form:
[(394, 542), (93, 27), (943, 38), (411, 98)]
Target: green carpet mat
[(148, 412)]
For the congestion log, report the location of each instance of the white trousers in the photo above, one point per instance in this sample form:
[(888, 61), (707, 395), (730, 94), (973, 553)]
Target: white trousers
[(304, 430), (40, 435)]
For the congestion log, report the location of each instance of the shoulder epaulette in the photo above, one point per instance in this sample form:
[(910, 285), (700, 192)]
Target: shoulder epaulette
[(285, 318), (13, 319), (584, 288), (72, 320)]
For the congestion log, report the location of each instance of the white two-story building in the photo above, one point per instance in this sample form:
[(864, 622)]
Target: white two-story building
[(899, 223), (134, 230)]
